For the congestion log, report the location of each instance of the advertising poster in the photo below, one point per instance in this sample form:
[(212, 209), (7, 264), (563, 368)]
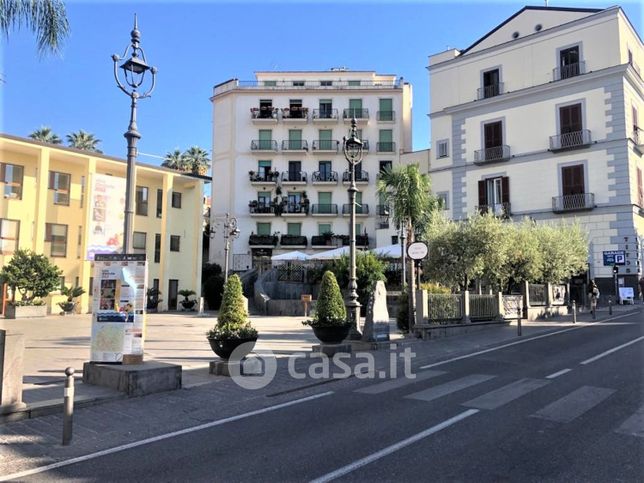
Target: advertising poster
[(107, 211), (118, 312)]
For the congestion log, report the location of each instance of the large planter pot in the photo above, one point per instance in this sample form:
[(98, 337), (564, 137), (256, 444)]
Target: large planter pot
[(188, 304), (332, 334), (67, 307), (225, 347), (25, 311)]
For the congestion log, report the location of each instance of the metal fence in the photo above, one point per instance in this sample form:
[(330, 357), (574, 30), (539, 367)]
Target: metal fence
[(538, 295), (290, 272), (483, 307), (444, 308), (512, 306)]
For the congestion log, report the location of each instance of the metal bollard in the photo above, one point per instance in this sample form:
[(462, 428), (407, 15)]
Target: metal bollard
[(610, 306), (574, 312), (519, 321), (68, 405)]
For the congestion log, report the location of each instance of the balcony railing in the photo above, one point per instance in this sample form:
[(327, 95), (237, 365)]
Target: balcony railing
[(270, 177), (294, 176), (295, 208), (326, 145), (257, 208), (270, 240), (361, 209), (638, 136), (384, 116), (321, 241), (381, 84), (576, 202), (350, 113), (293, 240), (325, 177), (386, 147), (295, 145), (361, 240), (570, 140), (267, 113), (570, 70), (382, 210), (300, 113), (325, 114), (324, 209), (496, 153), (263, 145), (361, 176), (365, 145), (490, 91), (501, 210)]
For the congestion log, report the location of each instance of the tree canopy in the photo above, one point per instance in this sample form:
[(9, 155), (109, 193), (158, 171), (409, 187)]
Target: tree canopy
[(30, 274), (46, 135), (83, 140)]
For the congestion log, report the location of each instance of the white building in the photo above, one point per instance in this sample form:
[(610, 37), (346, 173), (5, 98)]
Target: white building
[(539, 118), (278, 165)]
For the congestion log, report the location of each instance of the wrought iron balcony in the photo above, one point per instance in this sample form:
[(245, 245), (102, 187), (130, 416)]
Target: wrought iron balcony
[(265, 240), (365, 145), (257, 208), (361, 176), (361, 240), (386, 147), (322, 240), (382, 210), (570, 140), (326, 145), (325, 177), (576, 202), (295, 208), (502, 210), (361, 209), (638, 136), (384, 116), (325, 114), (263, 145), (490, 91), (263, 178), (293, 240), (294, 177), (295, 145), (324, 209), (358, 114), (295, 113), (263, 113), (488, 155), (567, 71)]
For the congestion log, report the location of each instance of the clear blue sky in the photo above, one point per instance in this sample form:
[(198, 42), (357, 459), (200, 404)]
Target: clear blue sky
[(199, 44)]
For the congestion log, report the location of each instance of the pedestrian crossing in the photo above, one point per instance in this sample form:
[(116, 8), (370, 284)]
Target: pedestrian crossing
[(563, 410)]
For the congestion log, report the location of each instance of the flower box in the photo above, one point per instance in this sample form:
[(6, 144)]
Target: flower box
[(25, 311)]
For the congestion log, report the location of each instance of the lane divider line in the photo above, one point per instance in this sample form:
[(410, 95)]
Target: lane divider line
[(610, 351), (161, 437), (559, 373), (394, 447)]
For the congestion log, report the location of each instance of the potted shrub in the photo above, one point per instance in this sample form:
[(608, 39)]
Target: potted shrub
[(233, 327), (153, 299), (32, 276), (329, 322), (71, 293), (187, 303)]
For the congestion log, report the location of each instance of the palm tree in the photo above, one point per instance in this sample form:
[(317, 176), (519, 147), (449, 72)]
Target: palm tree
[(45, 135), (46, 18), (83, 140), (197, 160), (173, 160)]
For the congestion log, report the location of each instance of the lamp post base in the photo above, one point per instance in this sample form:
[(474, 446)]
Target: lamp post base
[(353, 313)]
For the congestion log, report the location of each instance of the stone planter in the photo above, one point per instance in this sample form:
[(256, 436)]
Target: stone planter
[(332, 334), (225, 347), (25, 311)]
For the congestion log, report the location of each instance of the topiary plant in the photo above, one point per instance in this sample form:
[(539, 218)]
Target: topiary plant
[(330, 311), (232, 322), (30, 274)]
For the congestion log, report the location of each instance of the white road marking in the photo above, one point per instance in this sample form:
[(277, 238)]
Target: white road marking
[(397, 383), (633, 426), (506, 394), (610, 351), (456, 385), (161, 437), (559, 373), (394, 447), (575, 404)]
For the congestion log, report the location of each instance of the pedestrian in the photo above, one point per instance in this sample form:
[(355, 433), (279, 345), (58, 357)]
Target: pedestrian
[(641, 284), (593, 295)]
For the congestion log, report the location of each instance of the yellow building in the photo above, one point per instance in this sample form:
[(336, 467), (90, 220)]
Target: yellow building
[(45, 198)]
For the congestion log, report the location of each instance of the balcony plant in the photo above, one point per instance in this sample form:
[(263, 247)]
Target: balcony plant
[(71, 293), (233, 326), (153, 299), (329, 322), (187, 303)]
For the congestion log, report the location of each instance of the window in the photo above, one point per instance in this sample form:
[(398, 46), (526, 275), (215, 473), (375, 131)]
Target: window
[(270, 83), (354, 83), (385, 110), (324, 202), (56, 236), (265, 108), (630, 56), (326, 83), (640, 189), (11, 177), (62, 283), (358, 228), (385, 141), (493, 134), (443, 148), (295, 108), (491, 84), (142, 200), (176, 199), (325, 173), (155, 284), (175, 242), (394, 239), (263, 228), (294, 229), (9, 236), (159, 203), (571, 127), (385, 166), (157, 247), (326, 108), (325, 137), (572, 180), (265, 139), (139, 242), (295, 139), (569, 62), (91, 286), (443, 199), (355, 107), (295, 171), (263, 199), (82, 196), (494, 195), (59, 183), (76, 282), (324, 228), (264, 170), (80, 242), (635, 122), (299, 83)]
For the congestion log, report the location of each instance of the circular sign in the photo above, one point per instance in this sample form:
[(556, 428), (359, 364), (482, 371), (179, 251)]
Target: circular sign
[(417, 250)]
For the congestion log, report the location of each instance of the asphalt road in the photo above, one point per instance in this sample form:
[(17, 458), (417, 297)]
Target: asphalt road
[(568, 407)]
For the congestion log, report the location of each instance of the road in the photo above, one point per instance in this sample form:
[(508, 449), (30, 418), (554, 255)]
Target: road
[(565, 407)]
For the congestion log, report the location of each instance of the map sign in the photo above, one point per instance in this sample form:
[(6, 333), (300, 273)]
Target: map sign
[(118, 312), (107, 208)]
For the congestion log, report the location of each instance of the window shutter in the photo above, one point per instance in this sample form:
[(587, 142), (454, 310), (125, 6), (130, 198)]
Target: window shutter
[(52, 180), (2, 173), (47, 232), (640, 188), (505, 189), (482, 193)]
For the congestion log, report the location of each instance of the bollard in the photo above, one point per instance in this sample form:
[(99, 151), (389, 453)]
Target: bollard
[(68, 406), (519, 321), (610, 306), (574, 312)]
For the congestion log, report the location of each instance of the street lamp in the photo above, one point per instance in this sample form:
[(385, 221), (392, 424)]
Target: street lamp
[(352, 149), (134, 70), (230, 231)]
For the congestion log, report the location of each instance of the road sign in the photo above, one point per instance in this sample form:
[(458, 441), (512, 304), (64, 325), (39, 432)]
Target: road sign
[(614, 257), (417, 250)]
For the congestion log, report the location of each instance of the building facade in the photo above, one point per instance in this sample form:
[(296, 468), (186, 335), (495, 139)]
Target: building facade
[(278, 165), (539, 119), (47, 205)]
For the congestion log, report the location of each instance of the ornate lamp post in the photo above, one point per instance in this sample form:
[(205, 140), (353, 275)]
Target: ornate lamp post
[(134, 70), (230, 231), (352, 149)]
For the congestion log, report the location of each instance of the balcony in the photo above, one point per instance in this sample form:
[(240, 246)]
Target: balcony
[(294, 177), (362, 177), (576, 202), (323, 146), (386, 116), (386, 147), (362, 209), (492, 90), (361, 240), (295, 145), (567, 71), (325, 115), (360, 115), (257, 208), (263, 145), (382, 210), (295, 114), (501, 210), (267, 241), (324, 209), (263, 115), (263, 179), (570, 140), (322, 241), (295, 209), (293, 241), (491, 155), (324, 177)]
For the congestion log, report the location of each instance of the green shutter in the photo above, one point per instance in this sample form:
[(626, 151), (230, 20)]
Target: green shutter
[(324, 198), (294, 134), (325, 135), (385, 136), (324, 228), (263, 164), (358, 228), (265, 134), (355, 103), (263, 228), (294, 229)]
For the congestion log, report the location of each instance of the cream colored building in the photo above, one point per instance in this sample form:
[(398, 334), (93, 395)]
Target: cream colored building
[(45, 207)]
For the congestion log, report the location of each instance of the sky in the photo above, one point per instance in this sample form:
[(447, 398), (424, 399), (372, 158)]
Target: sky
[(196, 45)]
